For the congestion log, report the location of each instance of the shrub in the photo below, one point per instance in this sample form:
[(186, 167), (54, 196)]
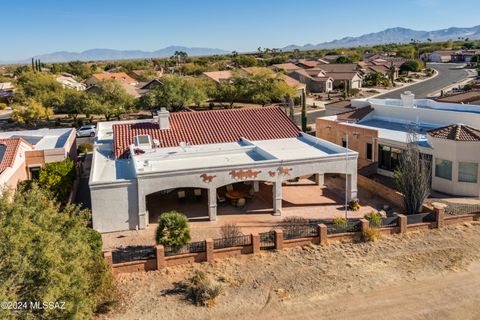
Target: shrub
[(58, 178), (340, 223), (49, 253), (374, 218), (173, 229), (3, 106), (203, 289), (85, 148), (354, 91), (230, 230), (354, 205), (371, 234)]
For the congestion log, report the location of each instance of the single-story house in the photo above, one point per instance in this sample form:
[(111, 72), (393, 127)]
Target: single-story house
[(118, 76), (447, 135), (23, 153), (69, 82), (314, 79), (134, 161)]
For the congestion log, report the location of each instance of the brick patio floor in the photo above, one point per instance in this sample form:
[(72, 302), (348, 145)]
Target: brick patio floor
[(304, 199)]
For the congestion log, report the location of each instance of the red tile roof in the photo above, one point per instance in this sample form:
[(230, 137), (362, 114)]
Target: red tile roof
[(121, 76), (13, 145), (209, 127), (456, 132)]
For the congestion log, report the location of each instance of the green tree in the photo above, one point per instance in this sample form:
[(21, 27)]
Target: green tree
[(173, 229), (58, 178), (375, 79), (110, 99), (411, 66), (30, 113), (50, 254)]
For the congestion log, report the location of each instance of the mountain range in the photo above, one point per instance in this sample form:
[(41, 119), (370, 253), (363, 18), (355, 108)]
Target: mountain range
[(391, 35), (111, 54)]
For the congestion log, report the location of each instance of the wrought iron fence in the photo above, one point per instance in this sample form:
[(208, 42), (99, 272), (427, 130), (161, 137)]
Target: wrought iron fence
[(389, 222), (295, 232), (420, 217), (133, 253), (191, 247), (267, 240), (244, 240), (351, 226)]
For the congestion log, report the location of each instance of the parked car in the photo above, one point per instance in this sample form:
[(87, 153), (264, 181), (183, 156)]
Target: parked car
[(86, 131)]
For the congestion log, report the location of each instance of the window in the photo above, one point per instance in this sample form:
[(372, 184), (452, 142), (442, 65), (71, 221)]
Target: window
[(142, 140), (369, 151), (34, 173), (443, 169), (467, 172), (344, 142), (388, 157)]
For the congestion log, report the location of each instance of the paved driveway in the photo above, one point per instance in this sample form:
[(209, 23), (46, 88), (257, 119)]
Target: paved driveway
[(448, 74)]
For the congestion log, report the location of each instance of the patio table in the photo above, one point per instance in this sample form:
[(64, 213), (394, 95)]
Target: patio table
[(234, 195)]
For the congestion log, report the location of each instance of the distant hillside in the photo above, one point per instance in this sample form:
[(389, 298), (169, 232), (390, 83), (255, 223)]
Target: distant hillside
[(110, 54), (393, 35)]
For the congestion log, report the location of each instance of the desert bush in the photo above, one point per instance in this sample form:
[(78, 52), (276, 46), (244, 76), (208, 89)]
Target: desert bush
[(374, 218), (340, 223), (202, 289), (354, 92), (85, 148), (173, 229), (3, 106), (230, 230), (371, 234), (354, 205)]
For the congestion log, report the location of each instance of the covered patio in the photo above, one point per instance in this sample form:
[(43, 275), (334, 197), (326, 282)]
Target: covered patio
[(301, 199)]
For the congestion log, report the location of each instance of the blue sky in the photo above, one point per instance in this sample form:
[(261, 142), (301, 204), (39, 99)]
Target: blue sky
[(42, 26)]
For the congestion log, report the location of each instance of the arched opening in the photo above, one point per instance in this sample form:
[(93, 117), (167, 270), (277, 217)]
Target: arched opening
[(256, 195), (193, 202)]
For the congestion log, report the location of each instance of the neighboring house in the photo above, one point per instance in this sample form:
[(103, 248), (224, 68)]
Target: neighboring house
[(135, 162), (220, 76), (441, 56), (12, 162), (118, 76), (152, 84), (23, 153), (447, 134), (314, 79), (287, 67), (69, 82), (353, 79), (469, 97)]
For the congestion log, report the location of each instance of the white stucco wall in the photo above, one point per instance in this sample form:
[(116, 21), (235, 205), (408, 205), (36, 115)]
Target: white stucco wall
[(115, 206), (455, 151)]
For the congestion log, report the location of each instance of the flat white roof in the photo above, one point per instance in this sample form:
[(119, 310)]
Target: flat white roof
[(107, 169), (41, 139)]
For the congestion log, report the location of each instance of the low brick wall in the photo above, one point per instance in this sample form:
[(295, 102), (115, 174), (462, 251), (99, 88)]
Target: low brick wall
[(135, 266), (323, 238), (390, 195)]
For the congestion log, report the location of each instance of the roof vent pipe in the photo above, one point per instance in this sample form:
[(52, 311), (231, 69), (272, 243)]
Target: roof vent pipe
[(163, 118)]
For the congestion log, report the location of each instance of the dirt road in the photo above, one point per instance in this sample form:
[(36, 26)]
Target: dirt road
[(428, 275)]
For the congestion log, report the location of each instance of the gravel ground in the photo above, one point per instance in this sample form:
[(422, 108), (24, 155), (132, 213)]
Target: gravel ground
[(424, 275)]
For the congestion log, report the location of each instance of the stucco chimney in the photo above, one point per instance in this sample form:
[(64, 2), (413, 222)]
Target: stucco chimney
[(163, 118), (407, 99)]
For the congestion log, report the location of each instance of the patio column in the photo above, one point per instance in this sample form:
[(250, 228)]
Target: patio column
[(256, 186), (277, 198), (351, 186), (212, 204), (319, 179)]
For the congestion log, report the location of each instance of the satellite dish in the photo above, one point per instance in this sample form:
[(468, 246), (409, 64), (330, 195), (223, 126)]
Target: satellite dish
[(156, 143)]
